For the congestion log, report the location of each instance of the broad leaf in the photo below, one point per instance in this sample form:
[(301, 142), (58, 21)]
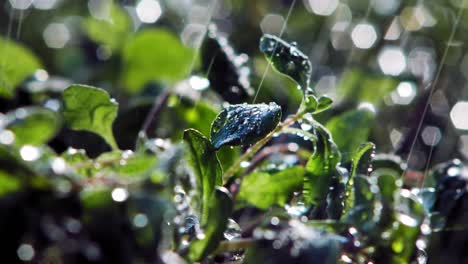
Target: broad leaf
[(219, 210), (112, 29), (287, 59), (206, 166), (321, 166), (357, 85), (226, 71), (33, 125), (16, 63), (90, 108), (351, 128), (126, 164), (154, 55), (244, 124), (263, 190)]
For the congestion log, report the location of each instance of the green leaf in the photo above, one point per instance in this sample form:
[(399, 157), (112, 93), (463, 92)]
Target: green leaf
[(33, 125), (315, 106), (206, 166), (154, 55), (112, 30), (321, 166), (126, 164), (365, 150), (352, 128), (244, 124), (8, 183), (95, 198), (287, 59), (264, 190), (357, 85), (16, 63), (182, 113), (219, 210), (90, 108), (361, 215)]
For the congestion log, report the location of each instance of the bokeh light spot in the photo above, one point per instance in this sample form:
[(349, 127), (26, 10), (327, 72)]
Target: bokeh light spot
[(364, 35), (322, 7), (458, 115), (56, 35), (392, 61), (272, 24), (148, 11)]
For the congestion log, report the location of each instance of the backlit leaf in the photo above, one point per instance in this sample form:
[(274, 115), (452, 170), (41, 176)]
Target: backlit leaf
[(263, 190), (154, 55), (16, 63), (90, 108)]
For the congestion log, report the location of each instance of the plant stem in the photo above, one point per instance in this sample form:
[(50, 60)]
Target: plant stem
[(158, 105), (257, 146)]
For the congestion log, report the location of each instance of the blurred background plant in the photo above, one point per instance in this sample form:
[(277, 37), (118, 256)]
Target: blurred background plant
[(404, 62)]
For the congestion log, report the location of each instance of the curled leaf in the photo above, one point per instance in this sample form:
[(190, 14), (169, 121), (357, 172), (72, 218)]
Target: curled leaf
[(287, 59), (321, 166), (244, 124), (206, 166)]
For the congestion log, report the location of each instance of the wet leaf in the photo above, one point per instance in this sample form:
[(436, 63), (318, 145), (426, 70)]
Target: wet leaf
[(154, 55), (298, 243), (287, 59), (33, 125), (227, 71), (263, 190), (219, 210), (111, 30), (321, 166), (358, 162), (362, 212), (126, 164), (352, 128), (206, 166), (16, 63), (90, 108), (244, 124)]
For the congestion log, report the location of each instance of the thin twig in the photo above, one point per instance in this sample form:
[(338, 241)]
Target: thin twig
[(159, 103)]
